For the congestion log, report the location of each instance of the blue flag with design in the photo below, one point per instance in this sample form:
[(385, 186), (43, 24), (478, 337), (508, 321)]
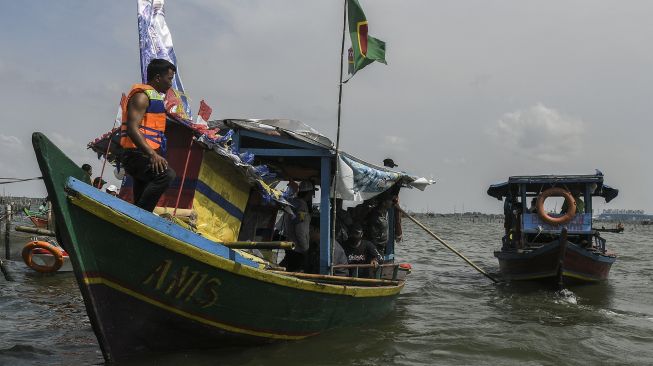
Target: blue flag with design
[(155, 41)]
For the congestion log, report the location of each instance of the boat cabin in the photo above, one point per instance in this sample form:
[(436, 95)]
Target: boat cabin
[(231, 178), (530, 223)]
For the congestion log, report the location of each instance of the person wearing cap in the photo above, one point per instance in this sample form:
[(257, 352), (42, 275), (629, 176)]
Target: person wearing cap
[(295, 227), (395, 200), (361, 251), (112, 190), (389, 163), (99, 182)]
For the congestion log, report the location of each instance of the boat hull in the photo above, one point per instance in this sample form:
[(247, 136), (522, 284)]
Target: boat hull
[(579, 264), (150, 285), (39, 222)]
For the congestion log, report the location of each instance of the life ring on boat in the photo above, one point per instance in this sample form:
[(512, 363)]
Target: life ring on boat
[(56, 252), (556, 192)]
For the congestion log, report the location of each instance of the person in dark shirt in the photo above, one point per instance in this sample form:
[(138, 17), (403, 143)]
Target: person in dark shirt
[(361, 251), (533, 208), (339, 256), (376, 224), (88, 169), (343, 222)]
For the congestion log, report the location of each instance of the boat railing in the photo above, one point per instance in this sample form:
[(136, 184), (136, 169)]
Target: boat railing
[(379, 270)]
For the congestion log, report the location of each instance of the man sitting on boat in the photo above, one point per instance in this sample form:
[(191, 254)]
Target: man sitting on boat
[(360, 251), (142, 135), (580, 205), (376, 224)]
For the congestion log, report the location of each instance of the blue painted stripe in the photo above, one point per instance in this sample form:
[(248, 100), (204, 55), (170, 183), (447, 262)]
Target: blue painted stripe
[(199, 186), (156, 223), (156, 106), (216, 198), (188, 183)]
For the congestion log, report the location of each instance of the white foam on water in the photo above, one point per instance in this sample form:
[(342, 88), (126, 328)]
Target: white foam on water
[(566, 296), (611, 313)]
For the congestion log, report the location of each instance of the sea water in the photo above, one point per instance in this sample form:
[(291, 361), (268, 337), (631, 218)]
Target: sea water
[(448, 314)]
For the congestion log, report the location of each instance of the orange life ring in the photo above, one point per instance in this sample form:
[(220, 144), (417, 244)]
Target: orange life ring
[(56, 252), (556, 192)]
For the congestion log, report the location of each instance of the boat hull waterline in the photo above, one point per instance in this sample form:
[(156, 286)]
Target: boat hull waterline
[(579, 264)]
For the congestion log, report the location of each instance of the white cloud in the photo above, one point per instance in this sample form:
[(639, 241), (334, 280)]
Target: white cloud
[(63, 142), (540, 133), (454, 161), (11, 148), (395, 143), (10, 142)]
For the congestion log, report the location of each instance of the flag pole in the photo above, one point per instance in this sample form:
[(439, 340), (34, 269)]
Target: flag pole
[(335, 181)]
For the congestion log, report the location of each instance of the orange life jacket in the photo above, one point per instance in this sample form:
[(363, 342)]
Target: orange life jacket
[(153, 124)]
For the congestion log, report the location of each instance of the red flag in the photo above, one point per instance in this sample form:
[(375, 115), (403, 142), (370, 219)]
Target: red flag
[(205, 110)]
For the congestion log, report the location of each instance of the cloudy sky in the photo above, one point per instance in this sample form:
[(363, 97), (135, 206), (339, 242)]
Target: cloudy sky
[(474, 91)]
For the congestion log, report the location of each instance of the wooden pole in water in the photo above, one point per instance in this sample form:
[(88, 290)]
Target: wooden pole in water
[(7, 229), (5, 271), (34, 230), (448, 246), (3, 266)]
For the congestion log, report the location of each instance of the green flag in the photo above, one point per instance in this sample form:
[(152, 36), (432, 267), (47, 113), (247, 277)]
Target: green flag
[(364, 49)]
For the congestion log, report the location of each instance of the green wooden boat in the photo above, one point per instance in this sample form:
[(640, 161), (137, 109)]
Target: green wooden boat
[(150, 285)]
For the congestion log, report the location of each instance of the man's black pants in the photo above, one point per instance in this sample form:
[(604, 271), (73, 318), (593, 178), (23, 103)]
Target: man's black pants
[(148, 186)]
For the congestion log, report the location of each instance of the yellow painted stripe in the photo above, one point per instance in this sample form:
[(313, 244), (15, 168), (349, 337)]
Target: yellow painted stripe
[(579, 276), (214, 221), (224, 180), (230, 328), (156, 237)]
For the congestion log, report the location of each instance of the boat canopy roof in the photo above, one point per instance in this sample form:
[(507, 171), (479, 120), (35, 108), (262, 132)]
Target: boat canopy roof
[(271, 149), (282, 142), (535, 184), (285, 128)]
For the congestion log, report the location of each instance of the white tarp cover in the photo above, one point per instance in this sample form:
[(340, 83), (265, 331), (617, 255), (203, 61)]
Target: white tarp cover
[(359, 181)]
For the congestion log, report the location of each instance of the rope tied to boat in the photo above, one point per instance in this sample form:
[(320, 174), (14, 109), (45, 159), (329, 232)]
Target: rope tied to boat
[(447, 245)]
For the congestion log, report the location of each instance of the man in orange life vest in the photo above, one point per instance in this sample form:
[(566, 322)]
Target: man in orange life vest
[(142, 135)]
